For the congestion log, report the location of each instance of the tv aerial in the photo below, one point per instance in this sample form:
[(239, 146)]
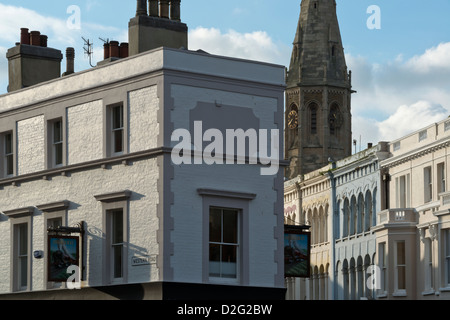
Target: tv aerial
[(105, 41), (88, 51)]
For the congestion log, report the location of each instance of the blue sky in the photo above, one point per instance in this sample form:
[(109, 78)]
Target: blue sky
[(401, 71)]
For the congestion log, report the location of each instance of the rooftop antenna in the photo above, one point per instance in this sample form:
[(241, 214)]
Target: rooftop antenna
[(88, 50), (105, 41)]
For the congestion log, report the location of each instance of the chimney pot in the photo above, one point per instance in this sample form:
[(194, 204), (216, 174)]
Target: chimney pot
[(175, 10), (24, 36), (141, 9), (35, 38), (106, 50), (164, 8), (153, 8), (70, 61), (114, 49), (123, 50), (44, 39)]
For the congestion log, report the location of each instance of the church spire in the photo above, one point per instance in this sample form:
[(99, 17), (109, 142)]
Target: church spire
[(318, 54), (318, 92)]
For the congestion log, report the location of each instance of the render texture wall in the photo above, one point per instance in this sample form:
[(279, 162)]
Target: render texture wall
[(188, 260), (79, 188), (85, 132), (30, 140), (144, 126), (93, 175)]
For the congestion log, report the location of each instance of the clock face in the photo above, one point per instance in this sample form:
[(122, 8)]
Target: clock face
[(293, 119), (335, 119)]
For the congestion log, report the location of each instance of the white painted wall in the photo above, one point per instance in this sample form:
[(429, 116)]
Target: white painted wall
[(30, 141), (85, 132), (143, 115)]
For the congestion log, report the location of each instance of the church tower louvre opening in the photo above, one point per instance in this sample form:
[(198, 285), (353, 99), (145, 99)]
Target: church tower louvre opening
[(318, 93)]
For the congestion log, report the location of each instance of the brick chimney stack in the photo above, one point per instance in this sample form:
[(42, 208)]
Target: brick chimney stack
[(70, 61), (31, 62), (161, 26)]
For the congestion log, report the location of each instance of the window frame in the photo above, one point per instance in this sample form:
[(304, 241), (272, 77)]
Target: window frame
[(428, 184), (441, 176), (52, 148), (383, 263), (111, 131), (235, 201), (20, 218), (397, 290), (222, 243), (111, 202), (447, 258), (113, 244), (4, 155)]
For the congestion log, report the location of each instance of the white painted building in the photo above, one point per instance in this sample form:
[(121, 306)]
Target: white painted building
[(94, 149)]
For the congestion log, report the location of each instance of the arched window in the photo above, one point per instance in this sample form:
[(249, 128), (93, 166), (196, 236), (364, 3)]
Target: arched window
[(361, 214), (346, 223), (369, 212), (313, 118), (334, 119), (353, 215)]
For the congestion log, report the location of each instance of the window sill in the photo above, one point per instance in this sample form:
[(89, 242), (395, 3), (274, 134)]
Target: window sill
[(382, 295), (223, 281), (445, 289), (428, 292), (400, 293)]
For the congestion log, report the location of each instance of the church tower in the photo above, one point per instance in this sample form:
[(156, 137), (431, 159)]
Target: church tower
[(318, 93)]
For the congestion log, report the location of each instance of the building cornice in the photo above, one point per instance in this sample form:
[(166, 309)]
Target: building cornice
[(415, 153)]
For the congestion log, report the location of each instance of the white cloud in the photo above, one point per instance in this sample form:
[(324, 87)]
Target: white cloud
[(410, 118), (396, 98), (434, 59), (257, 45)]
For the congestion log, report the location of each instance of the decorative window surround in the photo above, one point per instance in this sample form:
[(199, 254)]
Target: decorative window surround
[(19, 213), (114, 196), (226, 194), (55, 206)]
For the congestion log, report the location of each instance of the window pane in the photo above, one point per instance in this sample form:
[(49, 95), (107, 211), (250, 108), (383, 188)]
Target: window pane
[(9, 165), (229, 261), (401, 278), (117, 117), (214, 260), (400, 253), (57, 131), (230, 233), (58, 153), (23, 239), (448, 242), (448, 270), (117, 226), (23, 268), (117, 252), (118, 141), (8, 143), (54, 223), (215, 225)]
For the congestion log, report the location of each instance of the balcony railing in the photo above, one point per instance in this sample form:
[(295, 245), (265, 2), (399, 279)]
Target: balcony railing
[(397, 215)]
